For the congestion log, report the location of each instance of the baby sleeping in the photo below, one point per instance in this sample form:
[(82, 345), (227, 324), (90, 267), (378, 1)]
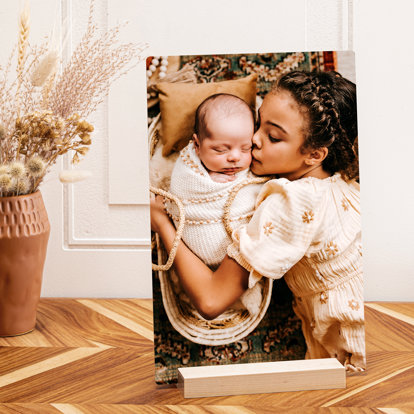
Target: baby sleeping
[(213, 164)]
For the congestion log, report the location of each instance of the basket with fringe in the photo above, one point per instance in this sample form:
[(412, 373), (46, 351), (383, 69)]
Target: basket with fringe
[(233, 324)]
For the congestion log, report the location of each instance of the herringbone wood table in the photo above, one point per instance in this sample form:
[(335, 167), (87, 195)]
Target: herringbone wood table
[(96, 356)]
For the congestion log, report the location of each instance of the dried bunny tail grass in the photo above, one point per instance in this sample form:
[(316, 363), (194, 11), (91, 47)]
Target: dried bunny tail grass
[(17, 170), (5, 182), (46, 68), (19, 186), (36, 167), (73, 176), (29, 96), (4, 169)]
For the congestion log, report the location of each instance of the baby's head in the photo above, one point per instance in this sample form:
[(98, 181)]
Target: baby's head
[(224, 127)]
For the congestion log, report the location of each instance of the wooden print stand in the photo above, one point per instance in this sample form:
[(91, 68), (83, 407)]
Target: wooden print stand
[(265, 377)]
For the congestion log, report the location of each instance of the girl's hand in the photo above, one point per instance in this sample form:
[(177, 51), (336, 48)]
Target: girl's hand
[(159, 216), (211, 293)]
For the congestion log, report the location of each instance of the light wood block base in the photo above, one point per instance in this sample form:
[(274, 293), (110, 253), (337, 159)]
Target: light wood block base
[(267, 377)]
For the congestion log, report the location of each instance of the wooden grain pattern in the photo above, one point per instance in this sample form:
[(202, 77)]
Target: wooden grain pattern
[(13, 358), (96, 356), (59, 408), (150, 409), (386, 333), (28, 409), (403, 314), (181, 409), (406, 410), (125, 314), (404, 308), (356, 392)]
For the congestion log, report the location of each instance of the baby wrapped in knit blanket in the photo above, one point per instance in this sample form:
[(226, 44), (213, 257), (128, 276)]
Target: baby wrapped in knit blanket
[(211, 167)]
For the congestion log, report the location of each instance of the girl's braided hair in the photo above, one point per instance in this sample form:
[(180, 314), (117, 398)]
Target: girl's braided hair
[(329, 103)]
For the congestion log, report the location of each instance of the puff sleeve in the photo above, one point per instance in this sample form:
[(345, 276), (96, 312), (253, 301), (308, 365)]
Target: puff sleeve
[(286, 219)]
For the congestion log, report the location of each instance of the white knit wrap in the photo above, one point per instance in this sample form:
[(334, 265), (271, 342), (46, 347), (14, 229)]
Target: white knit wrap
[(204, 201)]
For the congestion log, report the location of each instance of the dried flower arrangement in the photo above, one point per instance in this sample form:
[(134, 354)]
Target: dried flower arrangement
[(43, 109)]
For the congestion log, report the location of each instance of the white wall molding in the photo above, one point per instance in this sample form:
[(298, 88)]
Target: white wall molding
[(127, 120), (121, 157)]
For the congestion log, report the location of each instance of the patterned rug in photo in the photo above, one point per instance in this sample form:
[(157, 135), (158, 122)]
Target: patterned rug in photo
[(268, 66)]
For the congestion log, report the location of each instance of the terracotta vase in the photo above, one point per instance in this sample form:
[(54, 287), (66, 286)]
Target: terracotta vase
[(24, 234)]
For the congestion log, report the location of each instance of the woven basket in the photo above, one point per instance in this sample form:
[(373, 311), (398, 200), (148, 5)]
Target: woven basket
[(230, 326)]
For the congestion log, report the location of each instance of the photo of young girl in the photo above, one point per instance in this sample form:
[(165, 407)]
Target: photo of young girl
[(305, 227)]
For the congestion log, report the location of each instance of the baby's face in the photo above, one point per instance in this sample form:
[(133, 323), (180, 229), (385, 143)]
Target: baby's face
[(226, 148)]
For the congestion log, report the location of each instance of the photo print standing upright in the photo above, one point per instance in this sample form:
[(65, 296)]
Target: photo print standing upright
[(255, 210)]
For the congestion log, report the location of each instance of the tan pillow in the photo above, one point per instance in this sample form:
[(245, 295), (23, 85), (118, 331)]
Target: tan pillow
[(179, 101)]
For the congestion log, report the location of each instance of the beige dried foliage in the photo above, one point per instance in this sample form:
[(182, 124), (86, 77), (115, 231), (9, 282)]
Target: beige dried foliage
[(43, 110), (47, 88)]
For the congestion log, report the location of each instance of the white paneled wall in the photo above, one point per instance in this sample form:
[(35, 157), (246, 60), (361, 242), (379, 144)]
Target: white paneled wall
[(383, 41), (99, 243)]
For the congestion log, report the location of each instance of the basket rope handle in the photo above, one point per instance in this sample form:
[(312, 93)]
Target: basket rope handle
[(232, 196), (179, 231)]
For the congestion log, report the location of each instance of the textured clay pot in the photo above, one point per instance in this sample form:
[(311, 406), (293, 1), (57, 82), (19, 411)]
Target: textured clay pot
[(24, 234)]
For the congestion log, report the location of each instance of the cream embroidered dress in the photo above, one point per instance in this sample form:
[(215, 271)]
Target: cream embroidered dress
[(309, 231)]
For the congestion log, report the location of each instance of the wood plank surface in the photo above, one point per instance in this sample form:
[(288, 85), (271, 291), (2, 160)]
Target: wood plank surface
[(96, 356)]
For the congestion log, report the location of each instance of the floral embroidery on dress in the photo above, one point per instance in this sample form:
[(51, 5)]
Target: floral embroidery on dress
[(353, 304), (268, 228), (307, 216), (345, 204), (331, 249), (324, 297)]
